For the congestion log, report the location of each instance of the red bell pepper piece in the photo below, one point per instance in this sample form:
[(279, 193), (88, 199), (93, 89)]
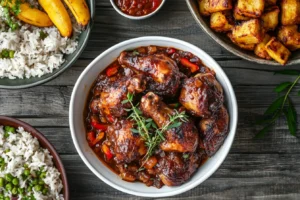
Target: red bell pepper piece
[(170, 51), (97, 125), (112, 70), (110, 118), (91, 136), (107, 152), (193, 67)]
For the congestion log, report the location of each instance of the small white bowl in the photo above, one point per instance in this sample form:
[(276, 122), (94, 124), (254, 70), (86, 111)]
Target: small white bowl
[(136, 17), (76, 118)]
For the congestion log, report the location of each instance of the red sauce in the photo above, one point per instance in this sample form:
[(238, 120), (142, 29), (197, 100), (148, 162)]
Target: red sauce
[(138, 7)]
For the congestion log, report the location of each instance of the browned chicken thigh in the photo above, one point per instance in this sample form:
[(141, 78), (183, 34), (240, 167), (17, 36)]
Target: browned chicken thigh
[(110, 100), (213, 131), (202, 95), (162, 73), (181, 139), (127, 146), (174, 170)]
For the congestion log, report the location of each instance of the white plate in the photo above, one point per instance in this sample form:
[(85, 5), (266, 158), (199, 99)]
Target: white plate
[(78, 102)]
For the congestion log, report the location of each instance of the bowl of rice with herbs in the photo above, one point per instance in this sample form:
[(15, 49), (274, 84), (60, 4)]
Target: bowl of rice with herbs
[(30, 168), (39, 39)]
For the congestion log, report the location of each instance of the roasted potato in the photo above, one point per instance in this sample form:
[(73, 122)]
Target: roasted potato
[(260, 48), (290, 37), (238, 16), (278, 51), (248, 32), (59, 16), (203, 7), (290, 12), (250, 8), (80, 10), (249, 47), (250, 24), (221, 21), (270, 3), (31, 15), (270, 18)]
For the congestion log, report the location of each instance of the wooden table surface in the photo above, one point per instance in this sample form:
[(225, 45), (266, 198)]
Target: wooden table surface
[(254, 169)]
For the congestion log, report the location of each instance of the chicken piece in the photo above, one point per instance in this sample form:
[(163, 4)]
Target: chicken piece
[(202, 95), (111, 97), (127, 146), (162, 73), (213, 131), (174, 170), (181, 139)]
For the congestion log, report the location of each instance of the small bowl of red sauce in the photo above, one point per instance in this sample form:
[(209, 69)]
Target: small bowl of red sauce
[(137, 9)]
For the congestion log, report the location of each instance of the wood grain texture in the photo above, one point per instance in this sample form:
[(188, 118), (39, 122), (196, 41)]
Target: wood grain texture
[(266, 169)]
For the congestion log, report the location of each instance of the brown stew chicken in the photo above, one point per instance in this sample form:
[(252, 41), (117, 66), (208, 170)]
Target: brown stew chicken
[(163, 82)]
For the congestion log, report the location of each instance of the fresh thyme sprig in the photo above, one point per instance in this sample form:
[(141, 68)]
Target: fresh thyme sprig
[(281, 106), (147, 129)]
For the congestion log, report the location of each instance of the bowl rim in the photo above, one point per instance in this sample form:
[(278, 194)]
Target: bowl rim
[(136, 17), (234, 51), (47, 145), (72, 61), (234, 117)]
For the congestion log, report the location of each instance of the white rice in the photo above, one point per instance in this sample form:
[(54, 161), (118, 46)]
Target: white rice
[(25, 149), (34, 57)]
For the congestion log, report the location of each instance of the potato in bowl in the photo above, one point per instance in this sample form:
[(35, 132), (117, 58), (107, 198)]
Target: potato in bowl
[(243, 27)]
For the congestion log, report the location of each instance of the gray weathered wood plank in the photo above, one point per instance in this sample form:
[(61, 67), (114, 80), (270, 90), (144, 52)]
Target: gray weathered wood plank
[(245, 176)]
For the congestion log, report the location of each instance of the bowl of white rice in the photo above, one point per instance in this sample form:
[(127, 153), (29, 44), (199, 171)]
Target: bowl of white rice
[(39, 54), (30, 167)]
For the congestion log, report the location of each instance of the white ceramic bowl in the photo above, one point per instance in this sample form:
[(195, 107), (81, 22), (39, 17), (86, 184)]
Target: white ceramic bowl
[(136, 17), (77, 106)]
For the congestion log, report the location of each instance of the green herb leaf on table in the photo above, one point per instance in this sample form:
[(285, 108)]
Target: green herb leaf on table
[(283, 86), (281, 106), (275, 106)]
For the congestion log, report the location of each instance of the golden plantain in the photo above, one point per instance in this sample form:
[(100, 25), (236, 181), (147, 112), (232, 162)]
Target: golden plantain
[(80, 10), (59, 16), (31, 15)]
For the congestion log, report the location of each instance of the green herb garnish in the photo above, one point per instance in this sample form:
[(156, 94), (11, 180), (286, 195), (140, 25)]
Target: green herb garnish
[(135, 53), (282, 106), (13, 25), (43, 35), (147, 129)]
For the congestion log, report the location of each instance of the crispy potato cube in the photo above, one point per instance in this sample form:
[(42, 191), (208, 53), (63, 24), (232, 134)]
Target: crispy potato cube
[(237, 16), (251, 8), (290, 12), (221, 21), (270, 3), (278, 51), (249, 47), (290, 37), (203, 7), (248, 32), (270, 18), (260, 49), (219, 5)]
